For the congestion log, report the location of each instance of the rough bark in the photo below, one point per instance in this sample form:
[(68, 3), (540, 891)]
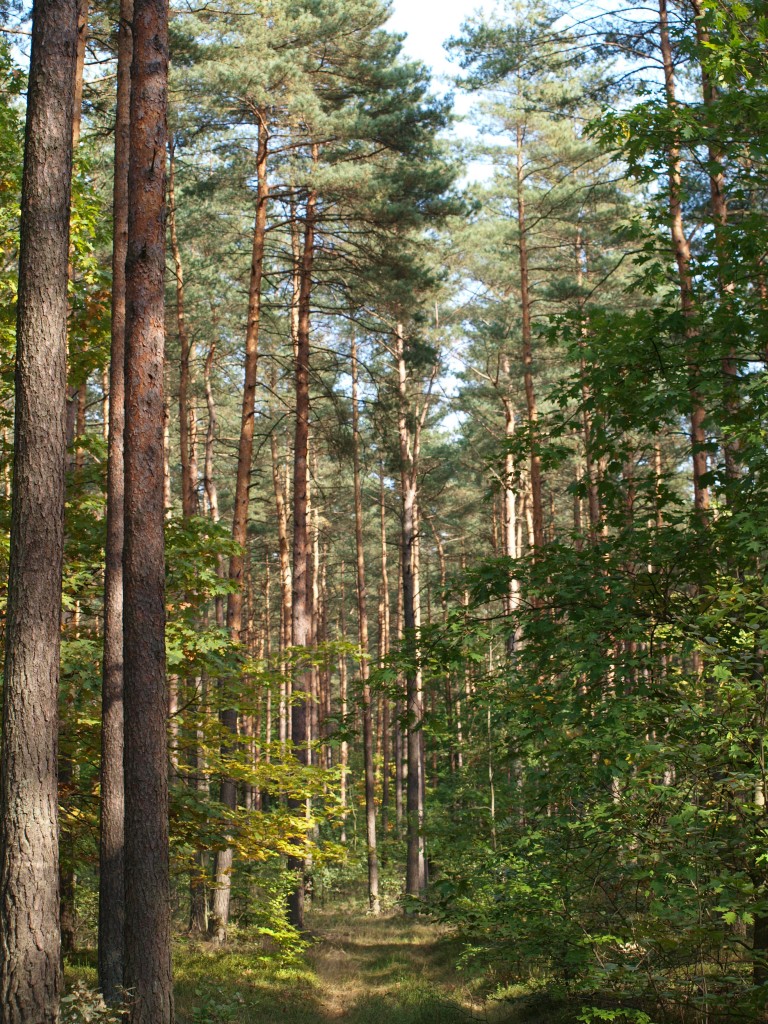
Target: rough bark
[(365, 671), (30, 971), (111, 846), (147, 881)]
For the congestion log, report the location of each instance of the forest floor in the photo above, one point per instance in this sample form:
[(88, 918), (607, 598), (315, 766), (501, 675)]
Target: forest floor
[(357, 970)]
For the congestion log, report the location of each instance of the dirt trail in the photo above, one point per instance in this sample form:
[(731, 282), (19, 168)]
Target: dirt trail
[(387, 970)]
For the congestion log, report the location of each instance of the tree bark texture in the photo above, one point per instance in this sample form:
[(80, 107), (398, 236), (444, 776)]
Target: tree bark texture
[(112, 822), (147, 882), (30, 970)]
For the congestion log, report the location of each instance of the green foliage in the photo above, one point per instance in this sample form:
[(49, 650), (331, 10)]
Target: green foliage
[(84, 1006)]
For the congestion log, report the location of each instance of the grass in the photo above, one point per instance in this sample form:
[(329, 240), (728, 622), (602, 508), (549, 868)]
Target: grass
[(357, 970)]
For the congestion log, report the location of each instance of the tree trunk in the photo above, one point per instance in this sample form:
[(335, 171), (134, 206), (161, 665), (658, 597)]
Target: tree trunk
[(111, 859), (228, 792), (399, 752), (189, 503), (362, 617), (147, 881), (682, 252), (75, 420), (30, 970), (530, 393), (415, 867), (384, 646), (301, 606)]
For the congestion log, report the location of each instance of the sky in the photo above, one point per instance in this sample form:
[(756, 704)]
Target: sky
[(428, 23)]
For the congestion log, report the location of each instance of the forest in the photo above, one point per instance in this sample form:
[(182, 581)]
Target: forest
[(383, 514)]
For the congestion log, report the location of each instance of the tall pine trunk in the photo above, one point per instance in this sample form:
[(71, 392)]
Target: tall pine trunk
[(228, 792), (527, 336), (111, 859), (384, 647), (147, 877), (189, 502), (365, 670), (30, 971), (301, 605), (415, 864), (682, 252)]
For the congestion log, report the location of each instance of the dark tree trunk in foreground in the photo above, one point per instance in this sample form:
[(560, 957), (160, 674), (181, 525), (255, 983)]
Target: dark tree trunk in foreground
[(147, 883), (29, 859), (112, 838), (228, 795), (362, 618)]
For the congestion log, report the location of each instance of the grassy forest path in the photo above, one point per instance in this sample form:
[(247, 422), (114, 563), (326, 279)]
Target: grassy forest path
[(358, 970)]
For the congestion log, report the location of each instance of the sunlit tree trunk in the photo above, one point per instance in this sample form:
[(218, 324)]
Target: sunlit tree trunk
[(147, 877), (112, 798), (228, 790), (30, 973)]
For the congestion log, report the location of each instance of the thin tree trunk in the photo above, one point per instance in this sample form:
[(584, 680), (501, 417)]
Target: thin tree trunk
[(384, 647), (344, 753), (415, 866), (301, 605), (112, 803), (30, 970), (525, 309), (399, 752), (76, 402), (682, 252), (362, 618), (228, 791), (283, 546), (189, 503), (147, 877), (719, 206)]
